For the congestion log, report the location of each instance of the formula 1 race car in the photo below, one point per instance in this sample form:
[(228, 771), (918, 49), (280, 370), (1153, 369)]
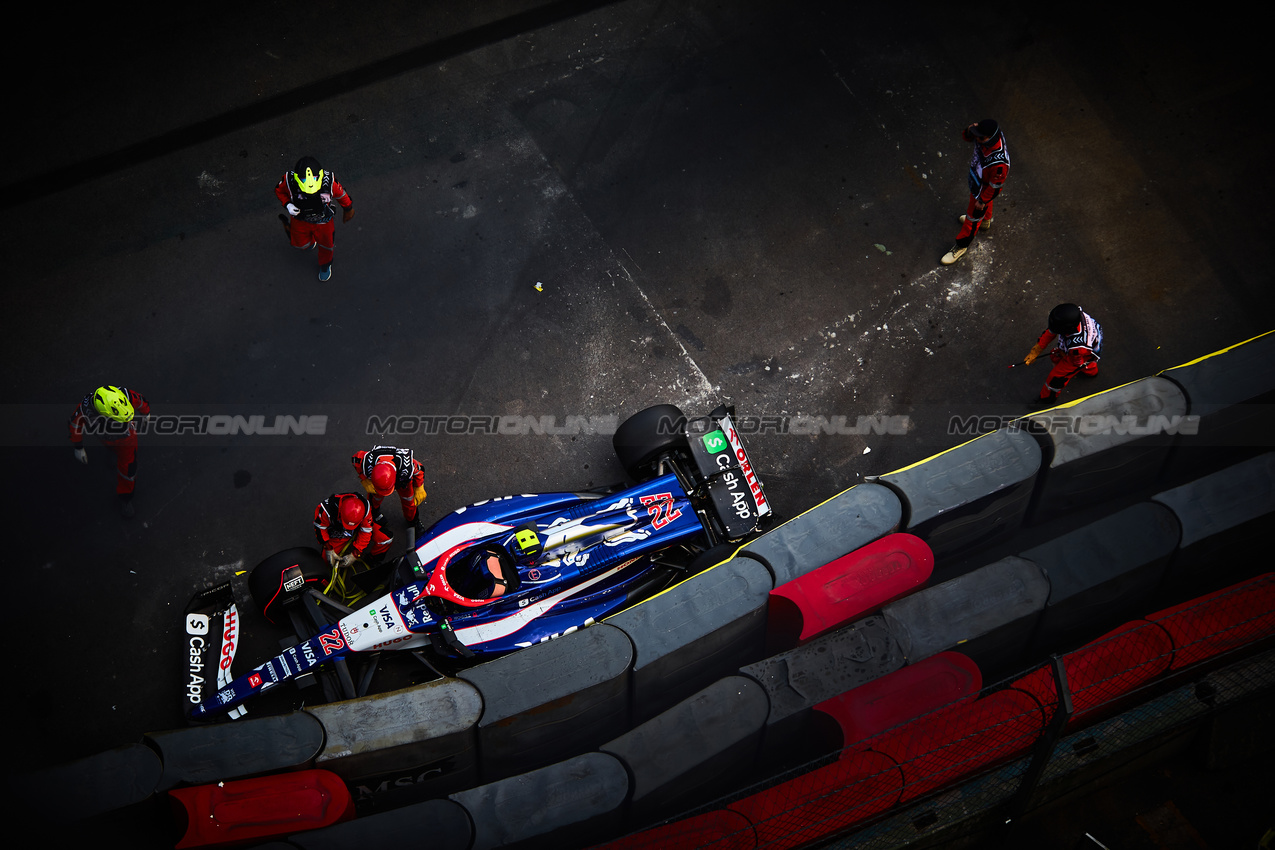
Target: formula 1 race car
[(495, 576)]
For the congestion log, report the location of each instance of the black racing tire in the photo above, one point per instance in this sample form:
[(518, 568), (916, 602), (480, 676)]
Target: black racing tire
[(647, 434), (265, 582)]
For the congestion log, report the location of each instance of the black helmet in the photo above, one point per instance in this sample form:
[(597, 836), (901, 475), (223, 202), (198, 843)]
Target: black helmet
[(987, 128), (1064, 319)]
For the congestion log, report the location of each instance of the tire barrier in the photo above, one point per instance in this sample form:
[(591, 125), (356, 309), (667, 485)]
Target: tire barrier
[(990, 613), (962, 739), (902, 696), (1104, 445), (88, 787), (1102, 671), (824, 801), (835, 594), (695, 750), (1218, 514), (202, 754), (578, 801), (552, 700), (1232, 392), (396, 747), (246, 810), (446, 822), (799, 679), (703, 629), (1220, 622), (1103, 573), (847, 521), (970, 496)]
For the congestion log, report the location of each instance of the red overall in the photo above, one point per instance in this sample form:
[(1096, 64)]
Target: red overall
[(1076, 353), (409, 475), (316, 223), (119, 437), (365, 539), (989, 166)]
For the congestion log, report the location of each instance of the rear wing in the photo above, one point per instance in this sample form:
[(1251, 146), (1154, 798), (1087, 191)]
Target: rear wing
[(733, 485)]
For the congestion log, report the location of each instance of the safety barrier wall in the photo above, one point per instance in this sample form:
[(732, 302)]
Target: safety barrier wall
[(976, 501), (1005, 725)]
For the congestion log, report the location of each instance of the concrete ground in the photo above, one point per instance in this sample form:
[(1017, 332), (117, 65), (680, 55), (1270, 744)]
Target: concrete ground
[(565, 209)]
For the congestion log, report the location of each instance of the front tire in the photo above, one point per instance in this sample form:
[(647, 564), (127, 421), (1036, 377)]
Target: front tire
[(647, 434), (267, 580)]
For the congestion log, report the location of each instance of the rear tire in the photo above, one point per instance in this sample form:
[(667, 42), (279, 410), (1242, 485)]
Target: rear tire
[(265, 582), (647, 434)]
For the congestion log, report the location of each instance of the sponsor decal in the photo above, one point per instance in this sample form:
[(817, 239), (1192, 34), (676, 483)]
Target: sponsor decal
[(745, 467), (254, 681)]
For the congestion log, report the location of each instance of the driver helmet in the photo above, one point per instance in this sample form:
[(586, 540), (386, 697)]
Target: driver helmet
[(384, 475), (308, 174), (1064, 319), (113, 402), (352, 511)]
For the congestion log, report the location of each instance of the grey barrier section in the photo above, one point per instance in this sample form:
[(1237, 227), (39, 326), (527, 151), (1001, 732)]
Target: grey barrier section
[(847, 521), (202, 754), (551, 701), (90, 786), (990, 614), (1233, 393), (1113, 443), (1100, 574), (436, 824), (970, 496), (797, 680), (699, 631), (404, 744), (568, 804), (696, 749), (1217, 513)]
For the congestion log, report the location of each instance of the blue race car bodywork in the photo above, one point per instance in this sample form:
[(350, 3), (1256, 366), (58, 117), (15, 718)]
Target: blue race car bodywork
[(567, 561)]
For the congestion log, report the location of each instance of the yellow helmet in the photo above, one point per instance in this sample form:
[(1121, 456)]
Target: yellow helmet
[(308, 174), (113, 402)]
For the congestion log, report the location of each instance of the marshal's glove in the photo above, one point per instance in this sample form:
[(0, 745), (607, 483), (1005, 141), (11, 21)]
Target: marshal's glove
[(294, 210), (81, 455), (418, 495), (1033, 354)]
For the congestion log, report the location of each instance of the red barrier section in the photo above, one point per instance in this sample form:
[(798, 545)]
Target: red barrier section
[(1220, 621), (945, 747), (1098, 672), (906, 694), (250, 809), (822, 802), (854, 584), (719, 830)]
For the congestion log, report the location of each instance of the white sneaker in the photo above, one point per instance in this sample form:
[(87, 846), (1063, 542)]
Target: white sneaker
[(953, 255)]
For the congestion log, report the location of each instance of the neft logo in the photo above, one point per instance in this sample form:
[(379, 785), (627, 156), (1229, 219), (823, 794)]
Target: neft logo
[(197, 624)]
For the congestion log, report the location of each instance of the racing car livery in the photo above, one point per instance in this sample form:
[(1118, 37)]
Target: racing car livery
[(504, 574)]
